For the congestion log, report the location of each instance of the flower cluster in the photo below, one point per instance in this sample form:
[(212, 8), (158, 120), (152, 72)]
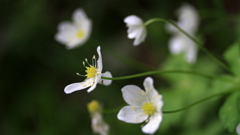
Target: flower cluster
[(188, 21), (144, 106)]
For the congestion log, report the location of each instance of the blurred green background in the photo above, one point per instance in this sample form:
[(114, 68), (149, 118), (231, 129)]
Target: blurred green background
[(35, 68)]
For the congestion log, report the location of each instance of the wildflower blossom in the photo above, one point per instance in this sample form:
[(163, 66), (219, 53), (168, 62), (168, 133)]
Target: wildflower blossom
[(94, 74), (76, 33), (98, 124), (143, 106), (188, 21), (136, 29)]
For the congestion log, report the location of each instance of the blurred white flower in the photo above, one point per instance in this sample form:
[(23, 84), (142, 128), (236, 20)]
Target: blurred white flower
[(98, 124), (94, 74), (76, 33), (143, 106), (238, 129), (188, 21), (136, 29)]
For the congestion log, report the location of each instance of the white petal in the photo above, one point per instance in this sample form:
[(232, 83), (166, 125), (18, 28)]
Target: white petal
[(79, 16), (238, 129), (133, 20), (132, 114), (153, 124), (133, 31), (133, 95), (191, 53), (176, 45), (148, 83), (105, 81), (140, 37), (75, 87), (99, 61), (94, 84), (98, 124), (66, 33)]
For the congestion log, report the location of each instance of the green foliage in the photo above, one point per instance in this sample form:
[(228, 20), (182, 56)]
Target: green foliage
[(230, 112), (232, 56)]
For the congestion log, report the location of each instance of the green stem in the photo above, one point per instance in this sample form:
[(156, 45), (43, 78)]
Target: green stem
[(164, 72), (181, 109), (189, 36), (200, 101)]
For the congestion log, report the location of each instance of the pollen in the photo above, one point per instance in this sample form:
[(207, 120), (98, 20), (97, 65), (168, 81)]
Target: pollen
[(93, 106), (91, 71), (80, 34), (148, 108)]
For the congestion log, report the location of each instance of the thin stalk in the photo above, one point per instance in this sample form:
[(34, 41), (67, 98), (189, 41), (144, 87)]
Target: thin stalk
[(200, 101), (165, 72), (189, 36)]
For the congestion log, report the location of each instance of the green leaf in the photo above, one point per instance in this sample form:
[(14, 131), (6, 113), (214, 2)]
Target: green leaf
[(232, 56), (230, 112)]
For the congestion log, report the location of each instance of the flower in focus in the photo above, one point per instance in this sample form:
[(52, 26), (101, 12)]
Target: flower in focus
[(136, 29), (76, 33), (94, 74), (238, 129), (143, 106), (98, 124), (188, 21)]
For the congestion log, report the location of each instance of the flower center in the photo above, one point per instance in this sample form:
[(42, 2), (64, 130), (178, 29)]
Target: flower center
[(148, 108), (91, 71), (93, 106), (80, 34)]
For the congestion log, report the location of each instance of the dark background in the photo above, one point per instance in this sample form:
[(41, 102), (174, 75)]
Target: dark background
[(34, 68)]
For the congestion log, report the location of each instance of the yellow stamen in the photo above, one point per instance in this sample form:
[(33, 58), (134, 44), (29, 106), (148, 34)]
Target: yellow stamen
[(80, 34), (93, 106), (91, 71), (148, 108)]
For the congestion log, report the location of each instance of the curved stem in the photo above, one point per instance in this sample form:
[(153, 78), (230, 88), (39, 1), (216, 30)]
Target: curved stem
[(189, 36), (200, 101), (164, 72)]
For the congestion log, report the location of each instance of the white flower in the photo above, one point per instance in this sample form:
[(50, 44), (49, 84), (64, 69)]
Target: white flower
[(143, 106), (136, 29), (98, 124), (76, 33), (94, 74), (238, 129), (188, 21)]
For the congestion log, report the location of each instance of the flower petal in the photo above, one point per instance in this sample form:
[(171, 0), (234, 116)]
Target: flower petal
[(133, 31), (133, 20), (176, 44), (153, 124), (133, 95), (66, 33), (132, 114), (94, 84), (238, 129), (105, 81), (140, 37), (75, 87), (79, 17), (191, 52), (99, 61)]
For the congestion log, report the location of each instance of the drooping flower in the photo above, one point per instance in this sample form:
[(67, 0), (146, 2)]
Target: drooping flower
[(136, 29), (143, 106), (94, 74), (98, 124), (76, 33), (188, 21)]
